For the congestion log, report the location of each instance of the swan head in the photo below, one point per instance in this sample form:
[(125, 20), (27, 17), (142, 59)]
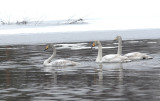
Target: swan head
[(48, 46), (117, 38), (95, 43)]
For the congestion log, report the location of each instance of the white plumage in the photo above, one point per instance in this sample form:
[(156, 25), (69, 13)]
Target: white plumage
[(59, 62), (115, 58), (110, 57), (137, 56), (132, 55)]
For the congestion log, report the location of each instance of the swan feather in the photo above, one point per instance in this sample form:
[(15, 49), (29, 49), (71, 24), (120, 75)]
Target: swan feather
[(137, 56), (115, 58), (133, 55), (60, 62), (110, 57)]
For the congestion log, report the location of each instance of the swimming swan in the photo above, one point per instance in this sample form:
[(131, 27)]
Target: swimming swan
[(132, 55), (110, 57), (60, 62)]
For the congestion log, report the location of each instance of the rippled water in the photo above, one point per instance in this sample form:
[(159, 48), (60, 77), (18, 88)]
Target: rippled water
[(24, 78)]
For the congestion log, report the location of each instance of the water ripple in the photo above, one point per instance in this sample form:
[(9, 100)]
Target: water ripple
[(23, 76)]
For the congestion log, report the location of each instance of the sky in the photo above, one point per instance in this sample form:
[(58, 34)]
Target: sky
[(133, 13)]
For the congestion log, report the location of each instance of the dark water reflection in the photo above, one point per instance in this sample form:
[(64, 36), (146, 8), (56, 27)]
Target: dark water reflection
[(23, 77)]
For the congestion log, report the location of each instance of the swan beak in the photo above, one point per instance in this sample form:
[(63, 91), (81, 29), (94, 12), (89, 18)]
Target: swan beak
[(93, 45), (46, 48)]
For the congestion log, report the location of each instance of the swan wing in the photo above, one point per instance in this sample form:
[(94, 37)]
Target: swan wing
[(133, 54), (109, 57), (137, 56), (62, 62), (115, 58)]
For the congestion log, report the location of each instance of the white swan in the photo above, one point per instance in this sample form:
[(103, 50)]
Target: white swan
[(110, 57), (133, 55), (60, 62)]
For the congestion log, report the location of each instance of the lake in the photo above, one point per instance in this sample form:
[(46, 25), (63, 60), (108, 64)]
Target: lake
[(24, 78)]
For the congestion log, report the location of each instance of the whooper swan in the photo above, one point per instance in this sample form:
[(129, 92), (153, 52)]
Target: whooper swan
[(132, 55), (59, 62)]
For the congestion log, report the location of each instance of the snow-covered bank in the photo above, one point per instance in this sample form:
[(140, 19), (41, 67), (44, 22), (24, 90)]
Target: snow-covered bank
[(88, 25)]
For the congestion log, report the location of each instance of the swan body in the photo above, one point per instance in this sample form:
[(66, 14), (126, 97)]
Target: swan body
[(59, 62), (132, 55), (137, 56), (110, 57), (115, 58)]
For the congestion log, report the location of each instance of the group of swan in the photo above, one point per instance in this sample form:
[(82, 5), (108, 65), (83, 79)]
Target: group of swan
[(118, 57), (107, 58)]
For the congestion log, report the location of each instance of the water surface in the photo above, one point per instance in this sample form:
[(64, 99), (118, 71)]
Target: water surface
[(24, 78)]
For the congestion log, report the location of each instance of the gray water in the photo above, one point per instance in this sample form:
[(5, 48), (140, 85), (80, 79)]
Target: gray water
[(24, 78), (77, 36)]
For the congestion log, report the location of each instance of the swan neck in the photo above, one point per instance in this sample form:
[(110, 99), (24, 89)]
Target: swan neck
[(99, 57), (52, 56), (54, 51), (119, 52)]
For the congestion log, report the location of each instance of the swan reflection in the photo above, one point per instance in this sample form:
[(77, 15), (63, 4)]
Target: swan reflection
[(99, 71), (109, 70)]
